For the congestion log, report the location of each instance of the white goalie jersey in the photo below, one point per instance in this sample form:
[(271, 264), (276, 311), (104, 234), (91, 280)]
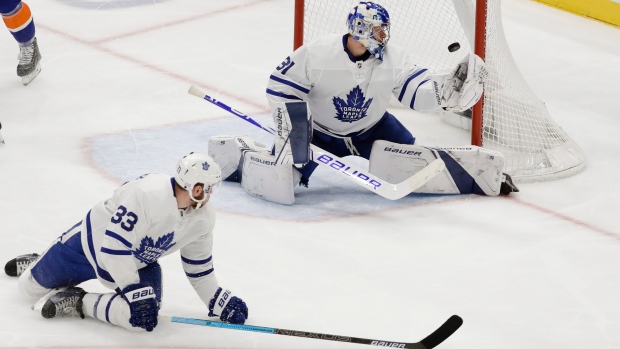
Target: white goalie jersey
[(348, 96), (141, 223)]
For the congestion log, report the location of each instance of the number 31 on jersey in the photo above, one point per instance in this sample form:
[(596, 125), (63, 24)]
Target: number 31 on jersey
[(285, 66)]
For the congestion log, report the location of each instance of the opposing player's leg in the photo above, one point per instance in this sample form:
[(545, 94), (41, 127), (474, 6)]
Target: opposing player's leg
[(29, 65), (18, 19), (469, 169)]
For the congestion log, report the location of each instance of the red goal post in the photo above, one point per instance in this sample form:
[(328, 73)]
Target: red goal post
[(509, 117)]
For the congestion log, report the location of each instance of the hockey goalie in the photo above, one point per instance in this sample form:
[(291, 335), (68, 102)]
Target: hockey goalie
[(333, 93)]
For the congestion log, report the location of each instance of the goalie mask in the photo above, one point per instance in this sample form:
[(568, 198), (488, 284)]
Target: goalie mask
[(197, 168), (369, 23)]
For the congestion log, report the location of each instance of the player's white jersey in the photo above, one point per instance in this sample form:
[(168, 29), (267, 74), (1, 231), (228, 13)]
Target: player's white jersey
[(348, 96), (141, 223)]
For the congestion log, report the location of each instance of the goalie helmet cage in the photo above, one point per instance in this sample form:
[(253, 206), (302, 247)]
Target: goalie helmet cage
[(509, 118)]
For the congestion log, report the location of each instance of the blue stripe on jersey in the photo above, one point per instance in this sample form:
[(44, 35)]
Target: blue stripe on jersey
[(107, 308), (119, 238), (290, 83), (91, 248), (116, 252), (416, 91), (197, 275), (196, 262), (402, 92), (283, 95)]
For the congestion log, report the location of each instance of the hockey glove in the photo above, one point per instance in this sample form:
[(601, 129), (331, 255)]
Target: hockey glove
[(228, 307), (461, 88), (142, 306)]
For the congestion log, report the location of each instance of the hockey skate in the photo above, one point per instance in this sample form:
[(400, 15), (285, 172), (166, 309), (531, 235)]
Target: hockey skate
[(19, 264), (61, 302), (508, 186), (29, 66)]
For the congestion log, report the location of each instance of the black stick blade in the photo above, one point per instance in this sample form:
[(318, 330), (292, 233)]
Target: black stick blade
[(443, 332)]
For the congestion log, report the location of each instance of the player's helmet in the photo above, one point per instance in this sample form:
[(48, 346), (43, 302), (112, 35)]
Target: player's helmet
[(361, 21), (197, 168)]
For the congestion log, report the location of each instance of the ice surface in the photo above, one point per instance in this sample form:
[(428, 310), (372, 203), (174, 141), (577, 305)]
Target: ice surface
[(539, 269)]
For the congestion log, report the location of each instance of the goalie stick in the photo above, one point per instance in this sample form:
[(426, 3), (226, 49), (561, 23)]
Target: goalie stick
[(432, 340), (335, 164)]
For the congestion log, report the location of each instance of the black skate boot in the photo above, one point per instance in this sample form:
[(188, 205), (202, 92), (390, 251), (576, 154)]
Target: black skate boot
[(29, 66), (63, 302), (508, 186), (17, 265)]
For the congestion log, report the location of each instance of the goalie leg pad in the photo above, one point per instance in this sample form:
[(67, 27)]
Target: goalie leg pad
[(293, 132), (469, 169), (227, 152), (263, 177)]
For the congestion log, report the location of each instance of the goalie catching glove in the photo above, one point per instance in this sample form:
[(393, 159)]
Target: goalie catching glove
[(228, 307), (461, 88)]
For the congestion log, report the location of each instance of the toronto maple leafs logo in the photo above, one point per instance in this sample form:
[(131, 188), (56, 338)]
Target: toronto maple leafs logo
[(205, 166), (150, 251), (354, 108)]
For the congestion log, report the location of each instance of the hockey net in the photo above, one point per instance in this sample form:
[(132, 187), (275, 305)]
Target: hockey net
[(513, 120)]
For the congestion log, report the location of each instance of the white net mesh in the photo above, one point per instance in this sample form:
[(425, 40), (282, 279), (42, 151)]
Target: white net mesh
[(515, 121)]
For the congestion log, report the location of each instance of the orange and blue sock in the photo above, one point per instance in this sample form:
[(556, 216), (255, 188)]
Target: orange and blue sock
[(18, 19)]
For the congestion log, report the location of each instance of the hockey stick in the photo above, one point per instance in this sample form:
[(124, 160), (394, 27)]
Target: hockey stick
[(434, 339), (362, 178)]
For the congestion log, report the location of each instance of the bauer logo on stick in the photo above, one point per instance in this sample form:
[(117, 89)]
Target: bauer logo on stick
[(388, 344)]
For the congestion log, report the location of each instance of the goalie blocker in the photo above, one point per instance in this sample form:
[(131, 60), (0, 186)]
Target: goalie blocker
[(293, 133)]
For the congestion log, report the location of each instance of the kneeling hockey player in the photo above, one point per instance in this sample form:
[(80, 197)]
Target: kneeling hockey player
[(119, 242)]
